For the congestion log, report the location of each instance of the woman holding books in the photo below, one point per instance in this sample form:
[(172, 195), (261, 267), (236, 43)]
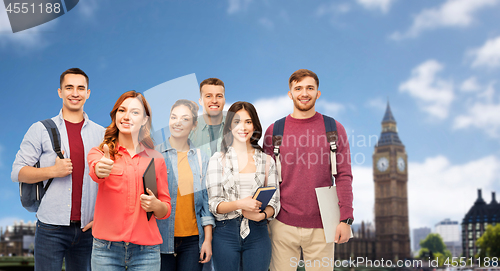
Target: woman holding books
[(124, 237), (187, 233), (240, 237)]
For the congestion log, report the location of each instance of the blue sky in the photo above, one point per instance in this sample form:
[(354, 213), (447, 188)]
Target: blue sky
[(437, 62)]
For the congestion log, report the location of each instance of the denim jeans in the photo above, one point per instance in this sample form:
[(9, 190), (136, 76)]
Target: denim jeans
[(186, 257), (230, 251), (113, 256), (53, 243)]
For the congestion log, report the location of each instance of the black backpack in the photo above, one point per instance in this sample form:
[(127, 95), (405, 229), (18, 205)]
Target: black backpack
[(32, 194), (331, 136)]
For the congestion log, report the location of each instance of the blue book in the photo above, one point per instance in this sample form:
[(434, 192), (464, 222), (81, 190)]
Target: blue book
[(264, 195)]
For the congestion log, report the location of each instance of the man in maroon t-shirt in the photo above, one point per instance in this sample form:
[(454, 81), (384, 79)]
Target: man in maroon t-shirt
[(305, 160)]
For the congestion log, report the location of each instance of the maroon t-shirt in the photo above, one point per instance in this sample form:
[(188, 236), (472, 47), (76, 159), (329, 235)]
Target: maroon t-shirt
[(305, 165), (77, 156)]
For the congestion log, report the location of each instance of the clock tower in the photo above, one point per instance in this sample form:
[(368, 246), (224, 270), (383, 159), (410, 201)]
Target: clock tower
[(390, 174)]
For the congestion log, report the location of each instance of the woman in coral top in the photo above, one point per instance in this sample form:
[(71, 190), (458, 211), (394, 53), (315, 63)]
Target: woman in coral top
[(124, 238), (187, 233)]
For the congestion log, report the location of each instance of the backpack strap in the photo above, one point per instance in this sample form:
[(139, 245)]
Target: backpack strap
[(278, 129), (332, 137), (55, 138)]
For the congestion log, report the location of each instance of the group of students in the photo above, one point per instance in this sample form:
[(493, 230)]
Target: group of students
[(204, 216)]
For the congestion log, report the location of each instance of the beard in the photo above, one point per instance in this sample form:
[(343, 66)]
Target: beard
[(304, 107)]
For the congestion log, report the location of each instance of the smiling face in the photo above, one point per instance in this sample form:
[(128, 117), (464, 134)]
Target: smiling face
[(212, 99), (130, 116), (181, 122), (242, 126), (304, 94), (74, 92)]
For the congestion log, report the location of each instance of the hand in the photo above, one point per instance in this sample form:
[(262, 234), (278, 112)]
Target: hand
[(88, 226), (249, 204), (342, 233), (62, 167), (205, 252), (253, 215), (149, 203), (105, 165)]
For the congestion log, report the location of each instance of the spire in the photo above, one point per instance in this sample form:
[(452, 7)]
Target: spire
[(388, 117), (479, 198), (493, 199), (389, 134)]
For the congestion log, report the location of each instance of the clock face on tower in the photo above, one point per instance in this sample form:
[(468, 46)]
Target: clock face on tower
[(382, 164), (401, 164)]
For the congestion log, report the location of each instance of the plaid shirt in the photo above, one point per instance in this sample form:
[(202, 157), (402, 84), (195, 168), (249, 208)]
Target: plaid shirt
[(223, 184)]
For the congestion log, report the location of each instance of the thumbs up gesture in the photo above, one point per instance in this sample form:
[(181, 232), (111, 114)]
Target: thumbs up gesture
[(105, 165)]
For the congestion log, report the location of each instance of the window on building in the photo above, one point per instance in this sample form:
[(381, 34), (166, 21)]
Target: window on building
[(485, 225), (478, 234), (478, 226), (471, 244), (470, 227), (471, 252), (470, 235)]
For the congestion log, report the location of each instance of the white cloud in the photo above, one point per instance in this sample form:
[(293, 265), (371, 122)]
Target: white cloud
[(452, 13), (483, 114), (438, 189), (449, 186), (433, 95), (377, 103), (272, 109), (237, 6), (87, 8), (488, 55), (470, 85), (329, 108), (332, 9), (363, 193), (266, 23), (382, 5), (27, 39)]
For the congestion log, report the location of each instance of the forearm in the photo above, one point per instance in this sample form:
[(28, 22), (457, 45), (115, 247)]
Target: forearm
[(208, 233), (29, 174), (161, 210), (269, 211), (227, 207)]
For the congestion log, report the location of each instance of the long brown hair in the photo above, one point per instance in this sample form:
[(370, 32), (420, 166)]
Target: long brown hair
[(226, 131), (111, 135)]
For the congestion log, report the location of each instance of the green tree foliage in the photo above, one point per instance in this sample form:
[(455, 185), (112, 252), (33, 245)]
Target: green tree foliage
[(489, 243), (433, 242)]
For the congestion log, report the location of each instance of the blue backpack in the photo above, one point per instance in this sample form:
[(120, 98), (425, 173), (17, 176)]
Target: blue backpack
[(32, 193)]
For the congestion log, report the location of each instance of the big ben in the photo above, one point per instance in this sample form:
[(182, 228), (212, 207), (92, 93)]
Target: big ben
[(390, 174)]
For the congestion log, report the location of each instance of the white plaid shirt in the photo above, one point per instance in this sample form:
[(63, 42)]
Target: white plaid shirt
[(223, 184)]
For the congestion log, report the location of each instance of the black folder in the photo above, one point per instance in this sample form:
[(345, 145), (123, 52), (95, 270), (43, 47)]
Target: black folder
[(149, 180)]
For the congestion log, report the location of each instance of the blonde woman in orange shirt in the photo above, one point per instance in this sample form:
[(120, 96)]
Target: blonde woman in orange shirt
[(124, 238)]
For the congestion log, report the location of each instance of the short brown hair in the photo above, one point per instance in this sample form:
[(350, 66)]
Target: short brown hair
[(73, 71), (298, 75), (212, 81)]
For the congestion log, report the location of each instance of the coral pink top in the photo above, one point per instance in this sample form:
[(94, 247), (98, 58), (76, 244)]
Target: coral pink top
[(118, 215)]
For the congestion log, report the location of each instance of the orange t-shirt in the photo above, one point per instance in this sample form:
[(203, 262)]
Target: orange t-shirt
[(185, 216)]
